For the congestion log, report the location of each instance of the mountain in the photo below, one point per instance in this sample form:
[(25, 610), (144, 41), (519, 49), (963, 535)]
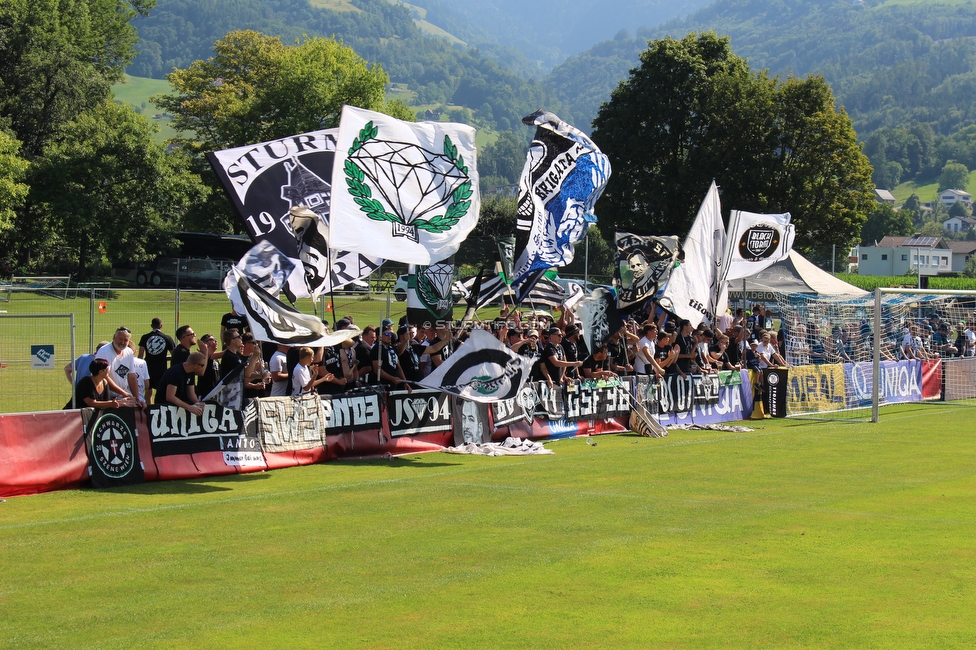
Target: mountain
[(905, 71), (549, 31)]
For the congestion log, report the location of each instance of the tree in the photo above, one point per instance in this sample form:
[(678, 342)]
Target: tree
[(885, 220), (107, 189), (58, 59), (958, 209), (954, 176), (13, 169), (502, 159), (970, 270), (254, 89), (693, 112)]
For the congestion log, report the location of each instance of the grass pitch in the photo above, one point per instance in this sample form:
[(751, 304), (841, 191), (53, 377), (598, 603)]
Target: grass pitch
[(798, 534)]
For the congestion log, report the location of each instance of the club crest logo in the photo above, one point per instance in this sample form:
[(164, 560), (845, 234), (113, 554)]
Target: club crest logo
[(773, 379), (414, 182), (758, 243), (113, 446)]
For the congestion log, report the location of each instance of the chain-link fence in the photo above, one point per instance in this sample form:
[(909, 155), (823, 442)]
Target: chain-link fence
[(98, 311), (34, 349)]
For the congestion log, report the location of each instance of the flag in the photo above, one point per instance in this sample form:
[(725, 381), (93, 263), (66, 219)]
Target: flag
[(598, 316), (564, 175), (506, 256), (272, 320), (545, 292), (266, 182), (692, 290), (482, 370), (409, 190), (430, 292), (488, 290), (644, 263), (229, 391), (756, 241)]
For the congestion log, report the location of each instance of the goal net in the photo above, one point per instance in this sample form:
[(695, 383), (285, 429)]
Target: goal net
[(840, 369), (49, 285)]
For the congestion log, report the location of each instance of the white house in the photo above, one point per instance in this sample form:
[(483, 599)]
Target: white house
[(948, 197), (902, 255), (884, 196), (961, 252), (959, 224)]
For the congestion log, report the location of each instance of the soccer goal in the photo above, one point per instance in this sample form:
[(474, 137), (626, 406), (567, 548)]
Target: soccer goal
[(923, 353), (55, 286)]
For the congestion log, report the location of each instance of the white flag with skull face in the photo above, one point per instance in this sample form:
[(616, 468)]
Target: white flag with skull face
[(409, 191)]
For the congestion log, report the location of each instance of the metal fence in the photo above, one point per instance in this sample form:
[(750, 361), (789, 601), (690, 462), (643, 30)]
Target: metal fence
[(96, 312), (34, 349)]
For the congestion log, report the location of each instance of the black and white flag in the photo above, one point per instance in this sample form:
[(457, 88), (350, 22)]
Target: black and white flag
[(481, 370), (272, 320), (266, 182), (643, 265), (598, 317), (755, 242), (430, 292)]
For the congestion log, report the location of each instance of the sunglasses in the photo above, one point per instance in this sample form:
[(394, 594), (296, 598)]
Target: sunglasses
[(123, 329)]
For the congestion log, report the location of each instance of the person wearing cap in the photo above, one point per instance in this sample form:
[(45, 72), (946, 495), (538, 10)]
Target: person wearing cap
[(554, 363), (752, 354), (597, 365)]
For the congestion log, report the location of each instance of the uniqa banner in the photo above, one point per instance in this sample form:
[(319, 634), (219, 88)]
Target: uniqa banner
[(174, 430), (816, 388), (900, 381)]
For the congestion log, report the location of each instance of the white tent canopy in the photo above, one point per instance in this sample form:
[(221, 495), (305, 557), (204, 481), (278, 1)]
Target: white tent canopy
[(793, 275)]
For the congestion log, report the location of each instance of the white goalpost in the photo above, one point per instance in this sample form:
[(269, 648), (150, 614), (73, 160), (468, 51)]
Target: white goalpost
[(849, 356)]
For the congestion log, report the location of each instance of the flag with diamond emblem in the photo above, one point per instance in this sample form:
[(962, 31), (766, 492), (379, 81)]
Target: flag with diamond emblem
[(407, 191)]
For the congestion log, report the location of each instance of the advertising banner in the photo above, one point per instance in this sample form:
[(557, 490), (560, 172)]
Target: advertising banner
[(774, 399), (174, 430), (900, 382), (817, 388), (113, 451)]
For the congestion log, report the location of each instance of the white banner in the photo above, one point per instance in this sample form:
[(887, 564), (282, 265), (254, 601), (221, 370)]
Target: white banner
[(408, 190)]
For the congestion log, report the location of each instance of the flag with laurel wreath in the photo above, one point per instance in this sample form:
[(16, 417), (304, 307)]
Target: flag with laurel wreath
[(408, 191)]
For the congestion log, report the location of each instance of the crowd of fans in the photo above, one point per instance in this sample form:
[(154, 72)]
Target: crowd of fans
[(184, 369)]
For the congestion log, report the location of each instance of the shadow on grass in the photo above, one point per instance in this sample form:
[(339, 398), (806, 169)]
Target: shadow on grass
[(396, 462), (203, 485)]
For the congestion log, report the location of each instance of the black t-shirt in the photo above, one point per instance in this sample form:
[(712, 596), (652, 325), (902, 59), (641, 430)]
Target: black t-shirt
[(332, 362), (180, 354), (617, 352), (661, 353), (157, 346), (389, 361), (553, 351), (444, 352), (591, 363), (232, 321), (175, 376), (230, 362), (364, 360), (86, 388), (208, 380), (686, 345), (572, 354), (410, 361)]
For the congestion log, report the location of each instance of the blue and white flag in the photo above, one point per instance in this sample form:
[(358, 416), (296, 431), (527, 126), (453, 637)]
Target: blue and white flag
[(564, 175), (408, 190)]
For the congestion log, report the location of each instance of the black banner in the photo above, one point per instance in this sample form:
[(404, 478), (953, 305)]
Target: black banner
[(596, 400), (706, 390), (174, 430), (352, 412), (113, 453), (774, 397), (470, 422), (422, 411)]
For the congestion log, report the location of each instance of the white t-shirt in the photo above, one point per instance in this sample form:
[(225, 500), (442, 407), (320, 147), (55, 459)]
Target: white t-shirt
[(119, 365), (279, 363), (641, 366), (142, 376), (765, 352), (299, 379)]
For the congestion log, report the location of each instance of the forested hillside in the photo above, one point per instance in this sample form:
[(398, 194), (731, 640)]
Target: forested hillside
[(905, 72), (498, 90)]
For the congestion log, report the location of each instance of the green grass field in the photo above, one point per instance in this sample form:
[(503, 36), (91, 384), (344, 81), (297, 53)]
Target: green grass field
[(797, 534), (929, 192)]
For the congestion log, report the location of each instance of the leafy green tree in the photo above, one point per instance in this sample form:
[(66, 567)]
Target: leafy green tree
[(13, 169), (885, 220), (255, 88), (954, 176), (970, 270), (693, 112), (108, 190), (58, 59), (496, 219), (958, 209), (503, 159)]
